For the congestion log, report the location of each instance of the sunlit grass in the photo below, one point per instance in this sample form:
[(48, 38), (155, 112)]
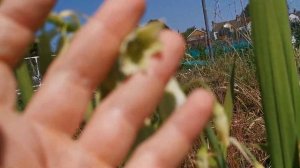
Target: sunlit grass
[(278, 79)]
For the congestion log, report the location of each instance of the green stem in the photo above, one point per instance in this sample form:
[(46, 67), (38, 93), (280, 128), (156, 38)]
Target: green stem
[(216, 146), (25, 84)]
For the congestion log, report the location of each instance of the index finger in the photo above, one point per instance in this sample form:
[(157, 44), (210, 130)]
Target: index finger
[(19, 20)]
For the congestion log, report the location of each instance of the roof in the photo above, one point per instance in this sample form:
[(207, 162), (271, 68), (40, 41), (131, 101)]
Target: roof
[(195, 32), (294, 17), (236, 23)]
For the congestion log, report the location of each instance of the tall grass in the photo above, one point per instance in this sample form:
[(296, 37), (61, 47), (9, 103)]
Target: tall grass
[(247, 123), (278, 78)]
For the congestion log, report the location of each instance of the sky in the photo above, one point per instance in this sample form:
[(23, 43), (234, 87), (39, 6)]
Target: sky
[(178, 14)]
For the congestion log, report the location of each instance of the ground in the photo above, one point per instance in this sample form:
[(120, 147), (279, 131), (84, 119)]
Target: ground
[(248, 124)]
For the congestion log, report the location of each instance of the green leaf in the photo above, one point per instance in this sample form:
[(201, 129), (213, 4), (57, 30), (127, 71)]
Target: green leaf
[(59, 45), (229, 98), (290, 63), (299, 151), (173, 98), (203, 158), (89, 113), (279, 86), (114, 78), (139, 47), (174, 88), (246, 153), (44, 47), (24, 83), (92, 105), (222, 125), (166, 106), (59, 20), (216, 147)]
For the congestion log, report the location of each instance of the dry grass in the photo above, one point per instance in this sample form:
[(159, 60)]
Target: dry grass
[(247, 125)]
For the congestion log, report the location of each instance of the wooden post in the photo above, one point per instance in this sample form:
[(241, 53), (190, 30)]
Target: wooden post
[(208, 38)]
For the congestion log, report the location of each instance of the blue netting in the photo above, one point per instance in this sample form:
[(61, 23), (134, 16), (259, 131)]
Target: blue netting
[(195, 53)]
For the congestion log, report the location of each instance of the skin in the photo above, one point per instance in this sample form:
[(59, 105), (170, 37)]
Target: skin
[(41, 137)]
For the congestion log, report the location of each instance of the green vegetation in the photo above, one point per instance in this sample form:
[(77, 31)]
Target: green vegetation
[(279, 80), (295, 25), (246, 122), (231, 77)]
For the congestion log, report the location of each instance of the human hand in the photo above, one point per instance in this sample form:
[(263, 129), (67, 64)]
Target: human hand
[(41, 137)]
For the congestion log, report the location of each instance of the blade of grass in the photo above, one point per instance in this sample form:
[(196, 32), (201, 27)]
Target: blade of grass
[(285, 31), (246, 153), (216, 146), (229, 98), (283, 97), (25, 83), (60, 22), (275, 84), (257, 10), (44, 47)]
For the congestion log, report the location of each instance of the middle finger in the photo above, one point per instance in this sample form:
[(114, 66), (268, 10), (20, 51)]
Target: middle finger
[(118, 119)]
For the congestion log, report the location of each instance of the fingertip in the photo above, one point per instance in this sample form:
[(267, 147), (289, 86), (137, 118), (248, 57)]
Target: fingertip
[(203, 100), (202, 94), (164, 66), (197, 111), (172, 38)]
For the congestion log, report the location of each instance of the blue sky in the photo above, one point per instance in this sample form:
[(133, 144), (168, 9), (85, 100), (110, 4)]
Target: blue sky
[(178, 14)]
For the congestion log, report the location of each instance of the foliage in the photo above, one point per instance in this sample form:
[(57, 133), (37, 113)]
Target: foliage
[(247, 125), (25, 85), (279, 96), (138, 47), (279, 80), (295, 26), (246, 11), (135, 54), (157, 20)]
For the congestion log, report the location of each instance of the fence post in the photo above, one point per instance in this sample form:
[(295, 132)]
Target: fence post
[(208, 38)]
